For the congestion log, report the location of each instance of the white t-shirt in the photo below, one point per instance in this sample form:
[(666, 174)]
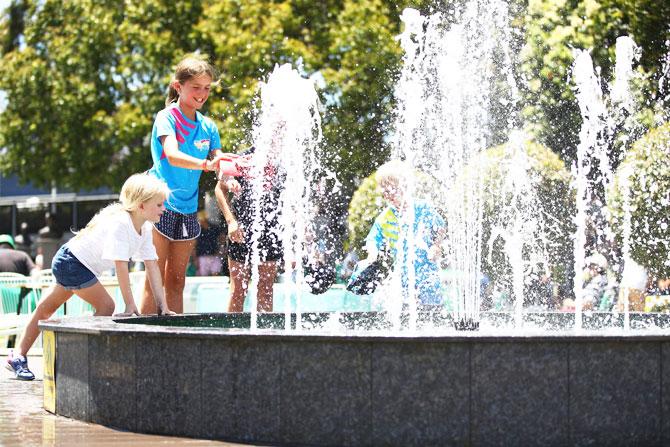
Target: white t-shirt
[(113, 240)]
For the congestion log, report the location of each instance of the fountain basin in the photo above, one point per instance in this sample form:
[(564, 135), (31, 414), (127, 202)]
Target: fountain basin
[(270, 386)]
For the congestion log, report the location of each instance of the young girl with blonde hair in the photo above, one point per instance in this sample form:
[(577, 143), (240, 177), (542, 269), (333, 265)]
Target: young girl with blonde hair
[(116, 234), (184, 143)]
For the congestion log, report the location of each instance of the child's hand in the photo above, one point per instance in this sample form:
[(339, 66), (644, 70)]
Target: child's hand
[(235, 233), (129, 312), (233, 186), (213, 164)]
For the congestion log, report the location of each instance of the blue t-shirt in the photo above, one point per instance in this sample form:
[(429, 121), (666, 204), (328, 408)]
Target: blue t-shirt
[(195, 138), (386, 230)]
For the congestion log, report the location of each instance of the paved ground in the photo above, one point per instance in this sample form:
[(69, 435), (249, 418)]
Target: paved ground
[(23, 421)]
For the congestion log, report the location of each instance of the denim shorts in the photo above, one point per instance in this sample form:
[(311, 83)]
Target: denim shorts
[(177, 226), (69, 272)]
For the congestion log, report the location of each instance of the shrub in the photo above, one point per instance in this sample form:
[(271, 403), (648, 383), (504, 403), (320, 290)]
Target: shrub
[(549, 199), (365, 204), (647, 166)]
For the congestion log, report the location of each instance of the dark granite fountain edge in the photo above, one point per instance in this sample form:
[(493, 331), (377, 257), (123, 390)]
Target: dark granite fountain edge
[(352, 390), (116, 325), (275, 387)]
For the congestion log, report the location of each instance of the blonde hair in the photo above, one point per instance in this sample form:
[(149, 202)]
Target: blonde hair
[(136, 190), (189, 67), (394, 170)]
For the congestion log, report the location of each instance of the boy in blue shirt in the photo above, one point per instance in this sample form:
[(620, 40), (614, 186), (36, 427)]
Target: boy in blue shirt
[(391, 228)]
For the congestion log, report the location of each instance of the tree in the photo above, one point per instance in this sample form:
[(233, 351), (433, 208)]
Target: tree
[(90, 75), (86, 81), (365, 61), (347, 47), (13, 24), (83, 87), (553, 28)]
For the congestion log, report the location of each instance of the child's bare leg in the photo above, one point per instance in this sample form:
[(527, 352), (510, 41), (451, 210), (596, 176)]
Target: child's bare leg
[(175, 273), (97, 296), (239, 281), (54, 298), (267, 272), (162, 244)]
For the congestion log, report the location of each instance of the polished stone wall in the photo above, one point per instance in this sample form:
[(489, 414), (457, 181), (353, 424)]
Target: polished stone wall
[(368, 391)]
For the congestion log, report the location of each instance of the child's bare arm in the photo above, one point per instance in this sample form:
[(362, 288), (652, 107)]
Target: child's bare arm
[(156, 283), (234, 230), (123, 277), (435, 251), (180, 159)]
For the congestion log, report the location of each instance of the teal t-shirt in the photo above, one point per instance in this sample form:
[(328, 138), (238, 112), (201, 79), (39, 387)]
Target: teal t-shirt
[(195, 138)]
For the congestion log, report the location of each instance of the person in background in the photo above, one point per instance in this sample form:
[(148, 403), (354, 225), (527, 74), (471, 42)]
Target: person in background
[(208, 248), (13, 260), (426, 231), (539, 291), (634, 281), (184, 144), (48, 240), (347, 265), (51, 228), (24, 240), (318, 263), (116, 234), (661, 287), (599, 292)]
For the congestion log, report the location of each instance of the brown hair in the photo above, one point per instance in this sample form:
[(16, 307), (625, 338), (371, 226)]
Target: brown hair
[(190, 67)]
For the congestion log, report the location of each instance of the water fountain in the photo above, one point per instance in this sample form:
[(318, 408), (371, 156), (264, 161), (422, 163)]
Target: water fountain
[(287, 131), (405, 376)]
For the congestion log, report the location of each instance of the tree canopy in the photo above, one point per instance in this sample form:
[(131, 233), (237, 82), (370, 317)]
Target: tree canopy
[(83, 79), (82, 86), (641, 201), (554, 28)]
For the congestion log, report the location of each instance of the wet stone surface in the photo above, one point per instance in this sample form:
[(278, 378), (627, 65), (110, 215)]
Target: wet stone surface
[(23, 421)]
